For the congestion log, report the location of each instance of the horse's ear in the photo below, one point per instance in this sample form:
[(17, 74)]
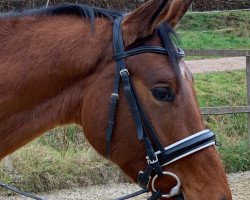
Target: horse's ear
[(143, 21)]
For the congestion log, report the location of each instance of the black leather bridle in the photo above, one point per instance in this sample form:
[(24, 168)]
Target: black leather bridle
[(162, 156)]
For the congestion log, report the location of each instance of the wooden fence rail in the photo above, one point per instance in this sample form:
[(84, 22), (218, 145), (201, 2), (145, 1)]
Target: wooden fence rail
[(225, 110), (230, 109), (222, 53)]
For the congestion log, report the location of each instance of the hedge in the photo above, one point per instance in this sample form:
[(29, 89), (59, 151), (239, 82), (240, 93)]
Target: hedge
[(198, 5)]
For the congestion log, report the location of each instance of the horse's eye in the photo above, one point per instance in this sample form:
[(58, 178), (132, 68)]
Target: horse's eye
[(163, 94)]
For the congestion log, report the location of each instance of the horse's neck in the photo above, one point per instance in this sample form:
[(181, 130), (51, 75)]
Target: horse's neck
[(44, 67)]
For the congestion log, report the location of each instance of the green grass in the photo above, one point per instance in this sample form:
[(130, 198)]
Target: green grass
[(226, 30), (221, 89), (216, 21), (41, 168), (213, 40), (226, 89)]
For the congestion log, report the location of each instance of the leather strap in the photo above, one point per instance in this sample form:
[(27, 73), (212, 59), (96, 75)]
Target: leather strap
[(20, 192), (117, 38), (147, 49), (156, 196), (137, 193), (147, 124), (186, 147)]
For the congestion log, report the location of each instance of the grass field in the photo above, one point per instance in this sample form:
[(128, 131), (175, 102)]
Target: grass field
[(63, 159), (226, 89), (226, 30)]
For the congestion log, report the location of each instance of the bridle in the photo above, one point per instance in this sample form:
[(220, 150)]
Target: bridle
[(163, 155)]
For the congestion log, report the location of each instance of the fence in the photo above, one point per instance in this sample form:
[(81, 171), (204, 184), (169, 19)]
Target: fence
[(230, 109)]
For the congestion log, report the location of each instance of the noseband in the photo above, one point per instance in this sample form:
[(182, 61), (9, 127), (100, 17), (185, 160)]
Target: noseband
[(162, 156)]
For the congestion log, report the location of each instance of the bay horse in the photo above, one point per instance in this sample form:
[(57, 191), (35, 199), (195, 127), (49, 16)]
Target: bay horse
[(57, 66)]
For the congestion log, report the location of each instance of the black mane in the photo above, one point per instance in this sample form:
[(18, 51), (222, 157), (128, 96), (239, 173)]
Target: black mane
[(170, 41), (80, 10)]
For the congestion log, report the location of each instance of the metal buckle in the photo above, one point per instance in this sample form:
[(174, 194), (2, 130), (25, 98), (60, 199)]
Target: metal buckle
[(152, 161), (124, 72), (180, 52), (115, 95), (176, 190)]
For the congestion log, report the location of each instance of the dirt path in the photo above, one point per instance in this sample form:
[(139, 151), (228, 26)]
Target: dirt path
[(213, 65), (239, 183)]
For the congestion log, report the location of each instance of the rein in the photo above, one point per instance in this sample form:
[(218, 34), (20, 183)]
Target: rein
[(20, 192), (163, 155)]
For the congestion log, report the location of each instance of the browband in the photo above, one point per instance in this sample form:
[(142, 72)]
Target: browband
[(148, 49)]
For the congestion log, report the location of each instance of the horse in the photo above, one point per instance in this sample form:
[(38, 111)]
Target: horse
[(57, 66)]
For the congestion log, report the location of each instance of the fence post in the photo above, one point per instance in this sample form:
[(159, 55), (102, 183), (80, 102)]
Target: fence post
[(8, 163), (248, 94), (192, 7), (47, 4)]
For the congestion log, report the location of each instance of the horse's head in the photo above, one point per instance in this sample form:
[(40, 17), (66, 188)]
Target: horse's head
[(159, 102), (157, 105)]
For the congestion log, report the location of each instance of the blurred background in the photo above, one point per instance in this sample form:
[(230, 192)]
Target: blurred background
[(198, 5)]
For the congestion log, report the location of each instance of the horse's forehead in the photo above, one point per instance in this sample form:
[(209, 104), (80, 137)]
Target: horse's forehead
[(152, 68)]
